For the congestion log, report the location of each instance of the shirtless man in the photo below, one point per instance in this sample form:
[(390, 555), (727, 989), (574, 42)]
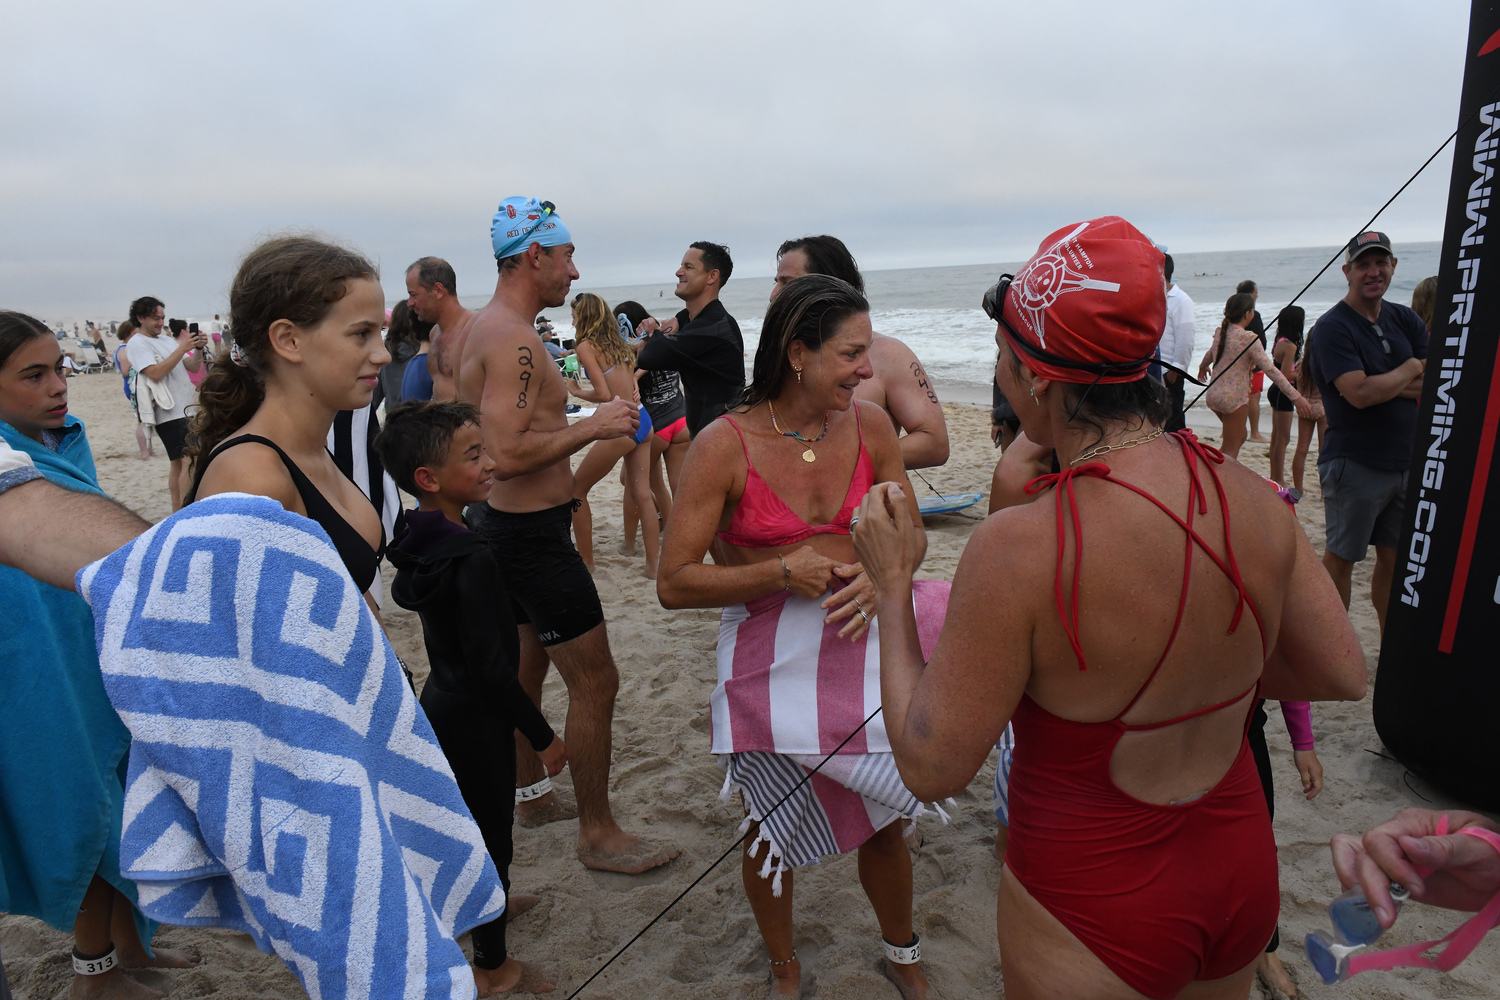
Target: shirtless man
[(432, 293), (528, 520), (900, 386)]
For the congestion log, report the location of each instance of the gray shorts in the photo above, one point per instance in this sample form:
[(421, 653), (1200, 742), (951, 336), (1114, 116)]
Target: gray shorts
[(1361, 507)]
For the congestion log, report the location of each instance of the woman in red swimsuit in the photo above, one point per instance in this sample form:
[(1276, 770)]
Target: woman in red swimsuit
[(1125, 623), (776, 482)]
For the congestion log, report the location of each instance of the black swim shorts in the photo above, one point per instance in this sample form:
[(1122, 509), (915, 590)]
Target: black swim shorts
[(1279, 401), (173, 436), (548, 583)]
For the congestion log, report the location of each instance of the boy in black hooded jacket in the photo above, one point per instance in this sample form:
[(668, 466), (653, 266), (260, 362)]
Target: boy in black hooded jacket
[(473, 697)]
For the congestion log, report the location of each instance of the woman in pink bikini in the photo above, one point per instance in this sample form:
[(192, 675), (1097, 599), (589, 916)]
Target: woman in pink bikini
[(776, 482)]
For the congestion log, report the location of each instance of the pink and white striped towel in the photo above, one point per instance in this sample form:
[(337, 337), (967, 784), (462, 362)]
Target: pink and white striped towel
[(788, 684), (790, 691)]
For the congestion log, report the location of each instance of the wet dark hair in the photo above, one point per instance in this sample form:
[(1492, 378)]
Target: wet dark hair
[(826, 255), (297, 278), (419, 433), (145, 306), (17, 329), (405, 329), (1246, 287), (1289, 325), (1235, 307), (809, 309), (176, 326), (1145, 400), (715, 258), (634, 311), (1167, 266), (435, 270)]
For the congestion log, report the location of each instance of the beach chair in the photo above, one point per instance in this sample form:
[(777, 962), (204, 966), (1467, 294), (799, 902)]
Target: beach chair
[(89, 359)]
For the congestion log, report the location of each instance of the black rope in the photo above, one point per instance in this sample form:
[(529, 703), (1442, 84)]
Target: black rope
[(929, 485), (727, 851), (1224, 371)]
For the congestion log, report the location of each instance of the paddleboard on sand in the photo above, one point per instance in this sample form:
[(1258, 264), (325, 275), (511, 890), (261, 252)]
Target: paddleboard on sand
[(948, 504)]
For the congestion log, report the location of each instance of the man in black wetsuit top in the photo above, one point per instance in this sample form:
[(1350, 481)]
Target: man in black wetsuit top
[(703, 341)]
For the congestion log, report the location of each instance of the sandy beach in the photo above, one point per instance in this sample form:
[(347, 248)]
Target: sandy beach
[(665, 786)]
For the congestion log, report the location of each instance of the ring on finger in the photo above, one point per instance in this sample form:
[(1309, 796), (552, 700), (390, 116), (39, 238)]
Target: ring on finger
[(858, 606), (864, 616), (852, 522)]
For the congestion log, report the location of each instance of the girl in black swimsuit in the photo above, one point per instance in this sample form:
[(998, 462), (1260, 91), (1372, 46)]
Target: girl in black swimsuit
[(306, 317)]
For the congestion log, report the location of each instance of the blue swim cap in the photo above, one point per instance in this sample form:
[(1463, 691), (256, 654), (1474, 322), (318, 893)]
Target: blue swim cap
[(520, 222)]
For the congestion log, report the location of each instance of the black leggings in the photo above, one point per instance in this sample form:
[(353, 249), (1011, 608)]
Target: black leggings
[(481, 749), (1262, 755)]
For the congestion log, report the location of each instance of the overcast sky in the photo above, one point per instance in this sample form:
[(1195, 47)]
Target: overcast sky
[(147, 145)]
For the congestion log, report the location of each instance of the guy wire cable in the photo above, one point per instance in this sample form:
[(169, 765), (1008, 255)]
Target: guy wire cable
[(1342, 249), (728, 851)]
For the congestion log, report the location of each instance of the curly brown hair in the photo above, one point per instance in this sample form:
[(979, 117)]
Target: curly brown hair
[(295, 277)]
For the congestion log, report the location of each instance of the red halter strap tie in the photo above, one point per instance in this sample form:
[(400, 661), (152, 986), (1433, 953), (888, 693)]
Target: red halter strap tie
[(1063, 482)]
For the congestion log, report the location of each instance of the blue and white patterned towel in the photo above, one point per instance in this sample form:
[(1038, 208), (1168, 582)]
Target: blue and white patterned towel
[(283, 781)]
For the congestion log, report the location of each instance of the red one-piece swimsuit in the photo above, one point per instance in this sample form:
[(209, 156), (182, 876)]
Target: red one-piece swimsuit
[(1162, 894)]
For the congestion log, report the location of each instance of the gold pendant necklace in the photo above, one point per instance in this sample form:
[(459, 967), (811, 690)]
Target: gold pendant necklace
[(809, 455), (1105, 449)]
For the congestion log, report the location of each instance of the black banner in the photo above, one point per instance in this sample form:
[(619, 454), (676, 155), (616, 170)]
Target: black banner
[(1437, 693)]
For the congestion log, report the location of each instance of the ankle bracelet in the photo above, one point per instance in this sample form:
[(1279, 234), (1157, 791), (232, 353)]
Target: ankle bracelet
[(535, 791), (98, 965), (785, 961)]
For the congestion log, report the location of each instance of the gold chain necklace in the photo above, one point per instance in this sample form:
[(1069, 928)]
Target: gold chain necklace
[(1105, 449), (808, 455)]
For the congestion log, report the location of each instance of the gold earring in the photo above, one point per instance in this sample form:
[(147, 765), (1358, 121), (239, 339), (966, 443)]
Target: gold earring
[(799, 374), (1034, 400)]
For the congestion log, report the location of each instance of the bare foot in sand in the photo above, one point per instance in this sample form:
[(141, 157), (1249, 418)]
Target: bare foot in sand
[(518, 903), (910, 980), (133, 958), (1273, 974), (618, 851), (650, 570), (627, 547), (786, 980), (550, 808), (111, 985), (513, 976)]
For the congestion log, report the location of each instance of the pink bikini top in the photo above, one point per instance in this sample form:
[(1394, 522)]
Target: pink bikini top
[(763, 520)]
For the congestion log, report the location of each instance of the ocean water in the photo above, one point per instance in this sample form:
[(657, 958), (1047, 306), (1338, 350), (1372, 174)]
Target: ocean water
[(936, 310)]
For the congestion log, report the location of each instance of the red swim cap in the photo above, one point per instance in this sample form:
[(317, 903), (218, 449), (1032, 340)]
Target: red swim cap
[(1090, 305)]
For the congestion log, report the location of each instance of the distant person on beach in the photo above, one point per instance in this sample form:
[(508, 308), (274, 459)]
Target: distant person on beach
[(1368, 357), (1234, 354), (127, 329), (771, 481), (162, 382), (900, 385), (1307, 425), (549, 338), (307, 316), (608, 362), (1178, 341), (1285, 352), (432, 294), (1130, 709), (405, 339), (1257, 378), (702, 342), (522, 397), (473, 697), (61, 742), (1424, 300)]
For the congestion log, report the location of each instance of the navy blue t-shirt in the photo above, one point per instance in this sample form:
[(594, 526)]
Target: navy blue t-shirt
[(1342, 341), (416, 383)]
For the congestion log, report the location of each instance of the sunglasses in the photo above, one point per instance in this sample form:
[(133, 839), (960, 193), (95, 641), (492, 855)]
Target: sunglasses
[(1385, 344)]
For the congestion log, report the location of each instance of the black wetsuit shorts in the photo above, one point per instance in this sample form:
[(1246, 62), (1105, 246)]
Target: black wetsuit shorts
[(549, 585)]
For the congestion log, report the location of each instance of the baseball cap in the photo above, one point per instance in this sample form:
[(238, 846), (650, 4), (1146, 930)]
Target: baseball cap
[(1367, 241)]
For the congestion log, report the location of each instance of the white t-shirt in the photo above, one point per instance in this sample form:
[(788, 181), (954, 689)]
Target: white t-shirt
[(145, 351)]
